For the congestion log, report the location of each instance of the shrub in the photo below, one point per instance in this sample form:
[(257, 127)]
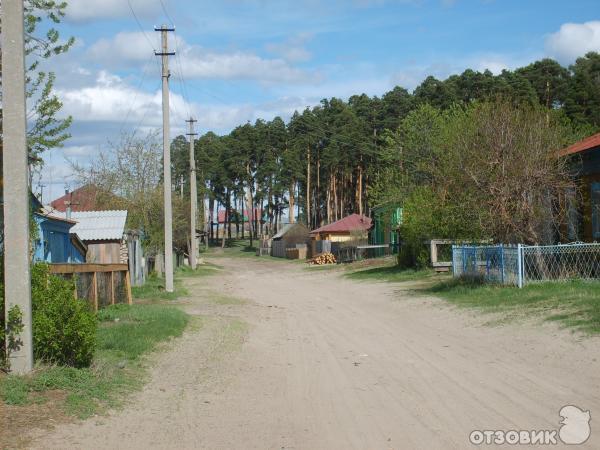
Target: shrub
[(64, 328)]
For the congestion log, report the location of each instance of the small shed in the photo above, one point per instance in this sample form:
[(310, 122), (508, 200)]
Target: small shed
[(103, 233), (56, 242), (291, 235), (354, 227)]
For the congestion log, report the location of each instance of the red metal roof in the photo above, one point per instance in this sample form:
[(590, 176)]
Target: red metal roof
[(581, 146), (353, 222), (258, 213), (84, 198)]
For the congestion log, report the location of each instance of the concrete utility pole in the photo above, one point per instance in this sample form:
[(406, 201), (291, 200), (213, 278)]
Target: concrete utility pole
[(17, 277), (193, 196), (167, 157)]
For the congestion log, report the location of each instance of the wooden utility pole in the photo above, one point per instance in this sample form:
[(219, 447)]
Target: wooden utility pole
[(193, 196), (17, 276), (167, 157)]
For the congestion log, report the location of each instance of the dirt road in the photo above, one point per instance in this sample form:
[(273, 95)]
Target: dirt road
[(310, 360)]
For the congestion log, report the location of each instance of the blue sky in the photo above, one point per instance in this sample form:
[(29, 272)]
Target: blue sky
[(239, 60)]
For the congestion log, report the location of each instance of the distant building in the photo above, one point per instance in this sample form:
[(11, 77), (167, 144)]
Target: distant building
[(236, 216), (354, 227), (584, 214), (86, 198)]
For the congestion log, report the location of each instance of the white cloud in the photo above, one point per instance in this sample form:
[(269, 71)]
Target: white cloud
[(238, 65), (124, 47), (573, 40), (129, 48), (293, 49), (79, 151), (87, 10), (111, 99)]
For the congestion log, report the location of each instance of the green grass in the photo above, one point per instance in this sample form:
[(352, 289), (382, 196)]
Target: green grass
[(240, 248), (202, 270), (125, 334), (390, 274), (129, 331), (226, 300), (236, 248), (574, 304), (154, 287)]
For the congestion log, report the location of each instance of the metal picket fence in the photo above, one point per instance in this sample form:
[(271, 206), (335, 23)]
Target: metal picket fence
[(518, 265)]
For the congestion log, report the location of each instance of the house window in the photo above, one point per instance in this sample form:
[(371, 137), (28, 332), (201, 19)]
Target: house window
[(595, 210)]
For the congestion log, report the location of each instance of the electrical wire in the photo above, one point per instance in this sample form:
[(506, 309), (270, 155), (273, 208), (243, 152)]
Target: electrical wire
[(140, 25), (138, 89)]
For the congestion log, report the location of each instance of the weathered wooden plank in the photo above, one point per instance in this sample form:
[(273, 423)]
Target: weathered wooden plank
[(112, 288), (128, 288), (95, 286), (86, 268)]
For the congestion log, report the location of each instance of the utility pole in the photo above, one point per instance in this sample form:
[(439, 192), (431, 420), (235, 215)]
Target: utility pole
[(193, 196), (167, 157), (17, 276)]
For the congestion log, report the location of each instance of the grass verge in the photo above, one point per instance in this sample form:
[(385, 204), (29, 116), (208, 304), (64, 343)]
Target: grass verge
[(573, 304), (154, 287), (391, 273), (125, 334)]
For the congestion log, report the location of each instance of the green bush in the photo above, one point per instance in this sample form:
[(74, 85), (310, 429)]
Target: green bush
[(64, 328)]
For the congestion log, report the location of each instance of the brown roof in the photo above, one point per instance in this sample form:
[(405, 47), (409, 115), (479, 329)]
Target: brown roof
[(85, 198), (581, 146), (348, 224)]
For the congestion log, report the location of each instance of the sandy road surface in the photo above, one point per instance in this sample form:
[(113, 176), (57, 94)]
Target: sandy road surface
[(314, 361)]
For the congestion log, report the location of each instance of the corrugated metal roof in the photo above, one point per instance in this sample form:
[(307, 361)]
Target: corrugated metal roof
[(297, 229), (581, 146), (353, 222), (98, 225)]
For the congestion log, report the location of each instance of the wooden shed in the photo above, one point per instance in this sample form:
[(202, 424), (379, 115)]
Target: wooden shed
[(103, 234), (290, 236)]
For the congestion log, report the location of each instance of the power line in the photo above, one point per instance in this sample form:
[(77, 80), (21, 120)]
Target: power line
[(162, 5), (179, 72), (140, 25), (140, 123), (142, 79), (181, 78)]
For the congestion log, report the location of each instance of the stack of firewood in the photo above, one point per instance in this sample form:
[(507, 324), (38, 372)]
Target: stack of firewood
[(322, 259)]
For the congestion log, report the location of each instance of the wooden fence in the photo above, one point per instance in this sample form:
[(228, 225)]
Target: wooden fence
[(101, 284)]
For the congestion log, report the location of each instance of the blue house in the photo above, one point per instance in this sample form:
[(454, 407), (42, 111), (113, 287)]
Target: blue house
[(55, 242)]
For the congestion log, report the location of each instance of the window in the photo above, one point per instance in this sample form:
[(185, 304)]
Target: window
[(595, 200)]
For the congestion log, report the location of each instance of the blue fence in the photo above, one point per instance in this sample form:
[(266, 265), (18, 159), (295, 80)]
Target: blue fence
[(518, 265), (495, 263)]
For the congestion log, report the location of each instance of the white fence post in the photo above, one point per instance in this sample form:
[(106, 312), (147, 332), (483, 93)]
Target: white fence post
[(520, 265)]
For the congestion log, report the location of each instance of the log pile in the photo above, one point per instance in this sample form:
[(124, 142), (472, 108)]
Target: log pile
[(322, 259)]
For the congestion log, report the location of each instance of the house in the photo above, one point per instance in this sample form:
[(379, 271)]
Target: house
[(86, 198), (56, 242), (354, 227), (584, 216), (290, 236), (386, 220), (103, 232), (236, 216)]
